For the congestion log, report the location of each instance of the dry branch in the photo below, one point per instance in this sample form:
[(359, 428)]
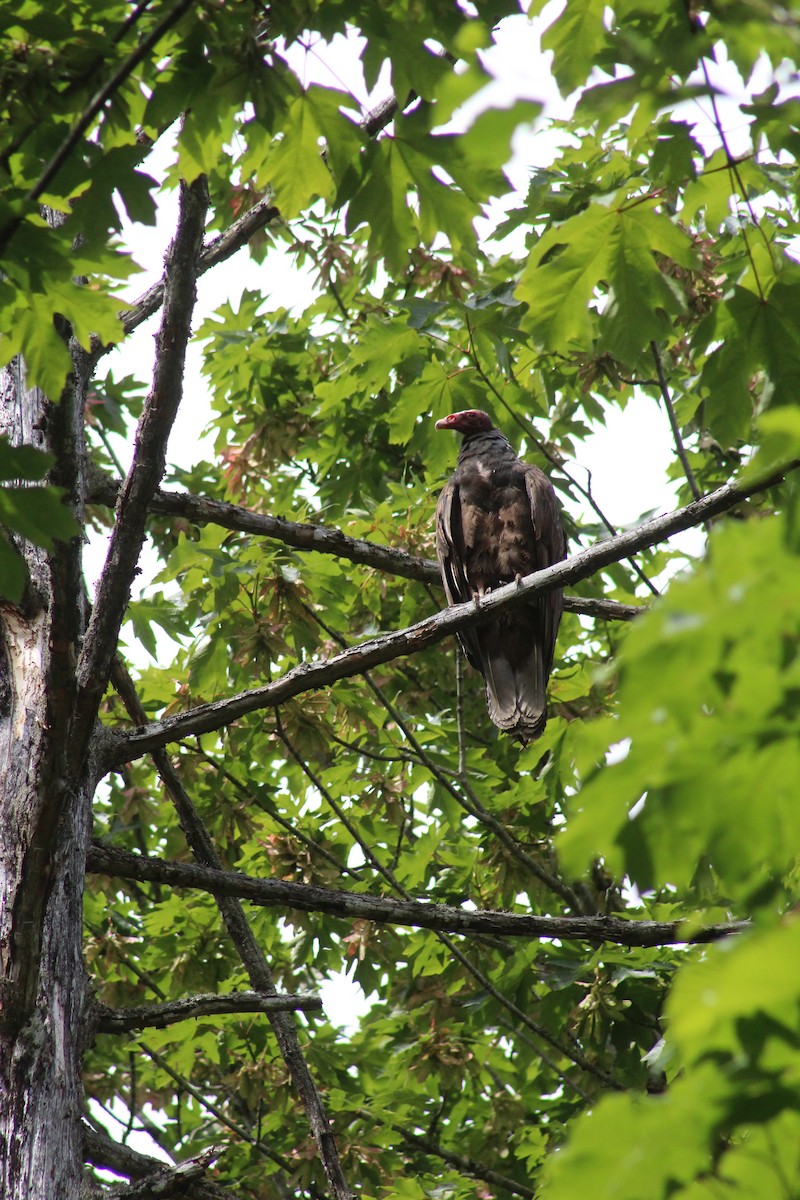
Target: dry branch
[(159, 1016), (310, 676), (122, 864)]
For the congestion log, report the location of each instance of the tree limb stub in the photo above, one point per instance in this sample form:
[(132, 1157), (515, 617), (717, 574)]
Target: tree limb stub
[(122, 864), (310, 676)]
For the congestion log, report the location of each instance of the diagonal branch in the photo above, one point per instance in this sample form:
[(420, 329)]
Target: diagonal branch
[(463, 795), (576, 1056), (325, 539), (205, 1102), (239, 233), (279, 893), (310, 676), (159, 1016), (220, 248), (147, 467)]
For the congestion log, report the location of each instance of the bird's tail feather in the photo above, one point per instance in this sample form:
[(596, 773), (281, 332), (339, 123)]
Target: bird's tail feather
[(516, 692)]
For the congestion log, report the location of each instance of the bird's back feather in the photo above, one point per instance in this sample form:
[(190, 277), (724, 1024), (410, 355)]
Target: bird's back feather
[(497, 520)]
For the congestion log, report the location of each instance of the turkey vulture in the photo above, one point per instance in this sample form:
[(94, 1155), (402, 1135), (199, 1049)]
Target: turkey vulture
[(497, 519)]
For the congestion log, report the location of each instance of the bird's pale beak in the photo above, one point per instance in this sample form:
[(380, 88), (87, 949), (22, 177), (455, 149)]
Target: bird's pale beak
[(444, 423)]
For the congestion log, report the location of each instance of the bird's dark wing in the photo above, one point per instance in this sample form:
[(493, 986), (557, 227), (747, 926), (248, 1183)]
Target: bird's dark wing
[(550, 547), (450, 552)]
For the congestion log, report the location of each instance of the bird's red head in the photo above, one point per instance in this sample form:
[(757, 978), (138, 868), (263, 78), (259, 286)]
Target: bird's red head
[(470, 420)]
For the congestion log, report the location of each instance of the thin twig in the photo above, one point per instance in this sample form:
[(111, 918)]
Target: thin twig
[(202, 1098), (462, 748), (467, 1166), (289, 827), (558, 463), (673, 422), (334, 805), (736, 178)]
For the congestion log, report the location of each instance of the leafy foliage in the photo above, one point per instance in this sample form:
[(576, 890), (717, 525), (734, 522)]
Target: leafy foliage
[(664, 785)]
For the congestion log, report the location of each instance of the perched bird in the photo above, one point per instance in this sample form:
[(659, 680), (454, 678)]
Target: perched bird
[(497, 519)]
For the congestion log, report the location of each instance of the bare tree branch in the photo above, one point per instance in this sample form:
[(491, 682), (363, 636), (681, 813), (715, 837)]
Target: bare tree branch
[(310, 676), (159, 1016), (122, 864), (325, 539), (147, 467), (322, 538)]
